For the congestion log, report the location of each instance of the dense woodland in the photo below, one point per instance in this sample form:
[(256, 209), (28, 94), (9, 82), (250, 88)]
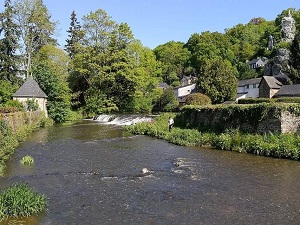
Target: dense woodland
[(102, 68)]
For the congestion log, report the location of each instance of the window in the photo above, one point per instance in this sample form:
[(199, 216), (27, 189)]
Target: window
[(247, 86), (254, 85)]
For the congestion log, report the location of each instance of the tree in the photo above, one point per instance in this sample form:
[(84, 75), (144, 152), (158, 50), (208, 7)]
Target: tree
[(168, 101), (36, 29), (295, 59), (217, 80), (8, 45), (174, 59), (58, 104), (50, 71), (207, 46), (112, 67), (75, 36)]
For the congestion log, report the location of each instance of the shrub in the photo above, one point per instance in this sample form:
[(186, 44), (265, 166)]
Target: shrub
[(198, 99), (27, 160), (288, 99), (255, 100), (15, 104), (20, 201)]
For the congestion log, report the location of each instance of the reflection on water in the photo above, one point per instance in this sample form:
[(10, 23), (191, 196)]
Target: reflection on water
[(92, 174)]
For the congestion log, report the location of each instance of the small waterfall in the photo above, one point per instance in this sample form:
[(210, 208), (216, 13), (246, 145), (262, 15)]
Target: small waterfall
[(122, 119)]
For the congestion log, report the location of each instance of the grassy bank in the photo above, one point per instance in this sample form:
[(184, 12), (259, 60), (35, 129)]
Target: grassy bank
[(272, 145), (14, 129)]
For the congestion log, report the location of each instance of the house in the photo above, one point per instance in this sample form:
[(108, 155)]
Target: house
[(30, 90), (269, 86), (186, 80), (248, 88), (257, 63), (163, 85), (182, 92), (288, 91)]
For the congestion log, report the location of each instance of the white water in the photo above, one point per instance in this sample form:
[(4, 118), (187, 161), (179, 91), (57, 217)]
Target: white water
[(123, 119)]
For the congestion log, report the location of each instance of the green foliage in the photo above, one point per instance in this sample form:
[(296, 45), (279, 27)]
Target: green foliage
[(20, 201), (59, 98), (173, 57), (27, 160), (198, 99), (9, 138), (218, 118), (255, 100), (168, 101), (8, 109), (269, 100), (6, 91), (216, 80), (9, 33), (268, 144), (14, 104), (32, 105), (288, 100)]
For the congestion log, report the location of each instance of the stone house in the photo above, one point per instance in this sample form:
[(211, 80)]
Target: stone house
[(288, 91), (257, 63), (269, 86), (30, 90)]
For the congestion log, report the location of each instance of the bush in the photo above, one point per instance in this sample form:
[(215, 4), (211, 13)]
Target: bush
[(288, 99), (27, 160), (15, 104), (198, 99), (8, 109), (255, 100), (20, 201)]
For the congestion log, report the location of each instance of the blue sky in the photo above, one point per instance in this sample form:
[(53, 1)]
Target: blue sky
[(156, 22)]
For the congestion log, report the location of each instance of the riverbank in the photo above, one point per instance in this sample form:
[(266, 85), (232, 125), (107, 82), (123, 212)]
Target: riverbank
[(14, 128), (268, 144)]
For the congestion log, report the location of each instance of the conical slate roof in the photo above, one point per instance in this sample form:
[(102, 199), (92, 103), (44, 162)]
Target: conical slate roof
[(30, 89)]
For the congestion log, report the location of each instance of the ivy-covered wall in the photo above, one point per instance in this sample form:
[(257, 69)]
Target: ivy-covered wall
[(254, 118), (18, 120)]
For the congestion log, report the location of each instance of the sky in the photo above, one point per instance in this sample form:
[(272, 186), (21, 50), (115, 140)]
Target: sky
[(156, 22)]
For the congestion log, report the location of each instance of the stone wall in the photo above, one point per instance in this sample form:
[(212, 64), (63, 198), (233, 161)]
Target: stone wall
[(18, 120), (257, 118)]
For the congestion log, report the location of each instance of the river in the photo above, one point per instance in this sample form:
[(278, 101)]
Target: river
[(91, 173)]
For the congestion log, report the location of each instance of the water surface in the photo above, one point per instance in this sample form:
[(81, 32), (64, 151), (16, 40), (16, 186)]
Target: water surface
[(92, 174)]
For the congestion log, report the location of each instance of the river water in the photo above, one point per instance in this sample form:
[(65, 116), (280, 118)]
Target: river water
[(91, 173)]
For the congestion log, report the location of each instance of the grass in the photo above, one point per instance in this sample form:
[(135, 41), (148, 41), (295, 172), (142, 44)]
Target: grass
[(27, 160), (20, 201), (272, 145)]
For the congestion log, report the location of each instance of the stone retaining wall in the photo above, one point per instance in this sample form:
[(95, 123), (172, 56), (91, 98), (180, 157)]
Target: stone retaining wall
[(251, 119)]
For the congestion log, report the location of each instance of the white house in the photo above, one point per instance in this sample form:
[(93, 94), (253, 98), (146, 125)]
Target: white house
[(257, 63), (183, 91), (30, 90), (248, 88)]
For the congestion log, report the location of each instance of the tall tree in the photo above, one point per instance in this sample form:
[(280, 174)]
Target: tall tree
[(75, 35), (8, 44), (36, 29), (174, 59), (217, 79)]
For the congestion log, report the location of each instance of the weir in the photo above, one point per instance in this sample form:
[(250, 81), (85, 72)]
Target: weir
[(123, 119)]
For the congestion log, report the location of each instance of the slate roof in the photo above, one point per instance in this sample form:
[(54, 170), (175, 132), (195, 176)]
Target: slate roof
[(289, 90), (242, 83), (272, 82), (30, 89), (163, 85)]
